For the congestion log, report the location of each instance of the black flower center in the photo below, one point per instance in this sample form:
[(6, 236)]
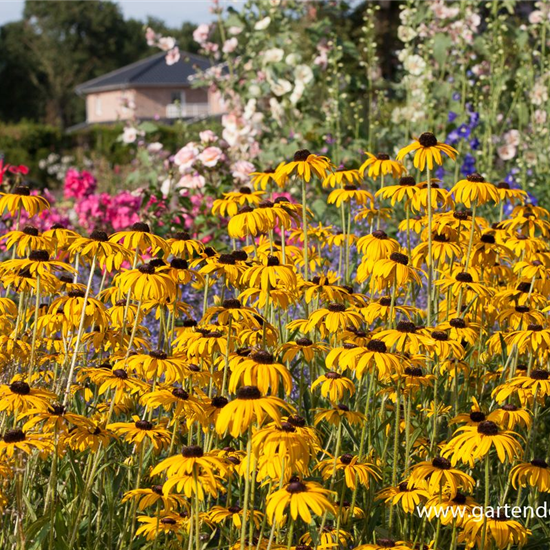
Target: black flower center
[(147, 269), (475, 178), (539, 463), (192, 451), (22, 190), (487, 239), (539, 374), (457, 322), (296, 420), (15, 435), (407, 181), (377, 346), (219, 402), (30, 230), (406, 326), (477, 416), (336, 308), (440, 335), (464, 277), (399, 258), (441, 463), (249, 392), (226, 259), (231, 303), (382, 156), (20, 388), (333, 375), (141, 227), (296, 487), (427, 139), (100, 236), (346, 458), (301, 155), (144, 425), (379, 234), (413, 371), (122, 374), (263, 357), (180, 393), (487, 428), (39, 256), (304, 342), (179, 263)]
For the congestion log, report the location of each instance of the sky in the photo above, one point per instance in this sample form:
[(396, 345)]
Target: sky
[(174, 12)]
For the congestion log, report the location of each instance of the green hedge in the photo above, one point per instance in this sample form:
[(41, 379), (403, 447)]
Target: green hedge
[(27, 142)]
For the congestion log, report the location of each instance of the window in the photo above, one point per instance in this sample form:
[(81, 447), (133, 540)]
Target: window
[(98, 110), (178, 97)]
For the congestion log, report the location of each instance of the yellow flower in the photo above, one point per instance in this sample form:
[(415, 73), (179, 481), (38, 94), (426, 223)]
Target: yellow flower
[(427, 150)]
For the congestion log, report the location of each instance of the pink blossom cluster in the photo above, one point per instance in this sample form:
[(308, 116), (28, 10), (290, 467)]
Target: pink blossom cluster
[(101, 210), (78, 185)]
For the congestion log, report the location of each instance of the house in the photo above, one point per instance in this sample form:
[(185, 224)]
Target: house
[(150, 89)]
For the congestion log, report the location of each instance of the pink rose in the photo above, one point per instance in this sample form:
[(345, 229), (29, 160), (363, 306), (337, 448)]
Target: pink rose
[(241, 169), (191, 181), (186, 156), (208, 136), (210, 156)]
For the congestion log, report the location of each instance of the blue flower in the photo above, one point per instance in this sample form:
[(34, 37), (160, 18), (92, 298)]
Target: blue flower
[(452, 116), (456, 96), (453, 138), (440, 172), (464, 131), (474, 144), (474, 119), (469, 165)]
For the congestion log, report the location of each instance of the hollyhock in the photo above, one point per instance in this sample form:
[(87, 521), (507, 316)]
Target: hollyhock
[(173, 56), (208, 136), (200, 34), (230, 45)]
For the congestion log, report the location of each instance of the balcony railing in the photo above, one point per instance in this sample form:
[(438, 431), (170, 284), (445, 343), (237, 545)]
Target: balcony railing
[(188, 110)]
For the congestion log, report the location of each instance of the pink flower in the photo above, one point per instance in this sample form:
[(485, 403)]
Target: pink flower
[(210, 156), (186, 156), (208, 136), (173, 56), (166, 43), (150, 36), (200, 34), (241, 169), (230, 45), (191, 181), (78, 184)]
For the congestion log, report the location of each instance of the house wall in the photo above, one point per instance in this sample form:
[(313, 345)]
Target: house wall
[(151, 103), (109, 106)]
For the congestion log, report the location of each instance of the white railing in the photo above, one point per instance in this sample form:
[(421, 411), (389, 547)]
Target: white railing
[(175, 110)]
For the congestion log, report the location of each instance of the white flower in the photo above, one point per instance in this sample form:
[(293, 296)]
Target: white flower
[(539, 94), (303, 74), (415, 65), (235, 30), (280, 87), (254, 90), (273, 55), (406, 34), (512, 138), (535, 17), (506, 152), (277, 110), (165, 187), (262, 24), (230, 45), (540, 116), (166, 43), (297, 93), (210, 156), (129, 135), (292, 59), (154, 147)]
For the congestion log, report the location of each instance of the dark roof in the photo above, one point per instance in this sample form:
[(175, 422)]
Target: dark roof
[(152, 71)]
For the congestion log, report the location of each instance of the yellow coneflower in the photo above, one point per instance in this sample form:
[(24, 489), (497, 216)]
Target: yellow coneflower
[(381, 165), (427, 150), (21, 199), (304, 165)]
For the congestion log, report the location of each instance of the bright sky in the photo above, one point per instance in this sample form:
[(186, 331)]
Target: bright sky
[(174, 12)]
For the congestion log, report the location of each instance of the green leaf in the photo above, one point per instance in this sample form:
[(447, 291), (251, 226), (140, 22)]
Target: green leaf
[(442, 44)]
